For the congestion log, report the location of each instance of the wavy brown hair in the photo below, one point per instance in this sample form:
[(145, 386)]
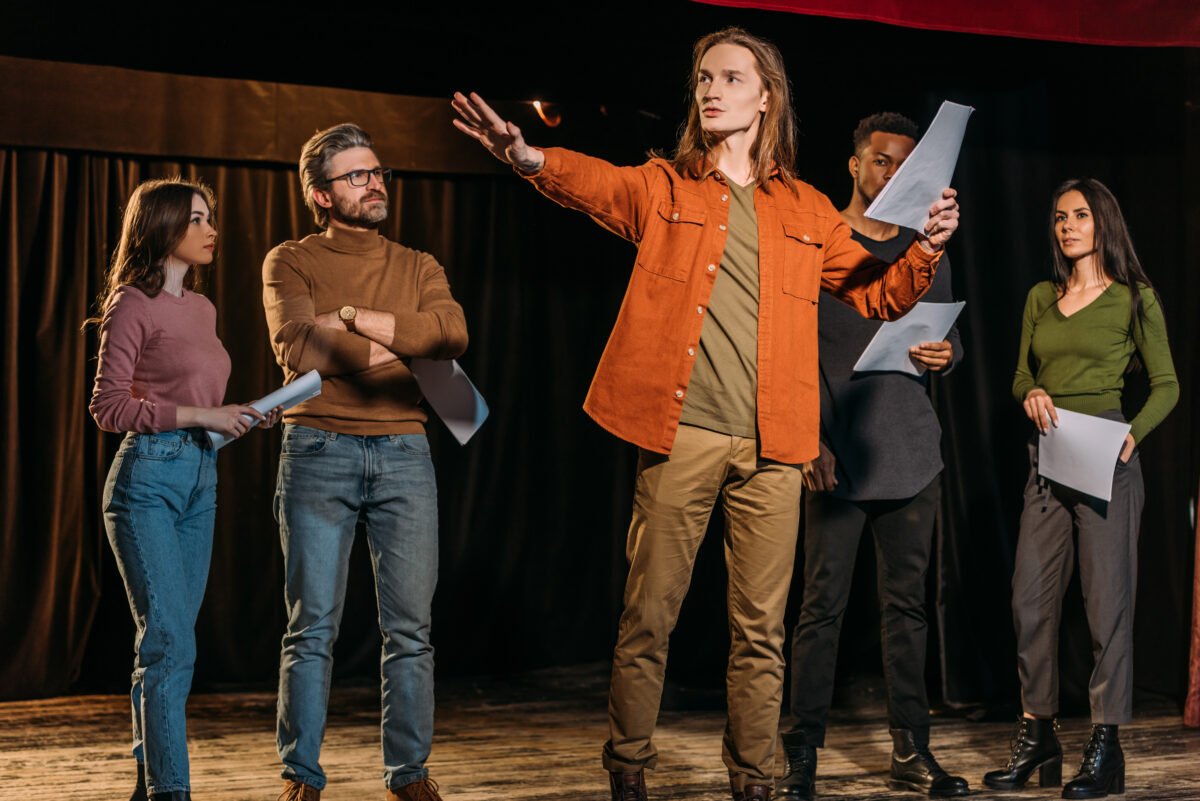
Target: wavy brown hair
[(155, 221), (776, 142)]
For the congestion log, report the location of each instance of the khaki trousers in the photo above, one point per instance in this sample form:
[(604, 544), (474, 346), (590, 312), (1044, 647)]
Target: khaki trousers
[(673, 499)]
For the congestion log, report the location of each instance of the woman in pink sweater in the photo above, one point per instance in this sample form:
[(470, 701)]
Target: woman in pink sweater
[(161, 379)]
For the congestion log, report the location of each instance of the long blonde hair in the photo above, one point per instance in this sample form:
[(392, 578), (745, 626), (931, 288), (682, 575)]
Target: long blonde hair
[(775, 145)]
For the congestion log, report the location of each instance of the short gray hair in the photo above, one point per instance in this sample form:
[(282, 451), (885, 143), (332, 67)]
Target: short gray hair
[(316, 155)]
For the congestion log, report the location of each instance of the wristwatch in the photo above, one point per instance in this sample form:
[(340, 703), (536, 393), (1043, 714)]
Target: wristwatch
[(347, 315)]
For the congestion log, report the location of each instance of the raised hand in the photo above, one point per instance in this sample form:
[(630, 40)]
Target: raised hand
[(943, 221), (502, 139)]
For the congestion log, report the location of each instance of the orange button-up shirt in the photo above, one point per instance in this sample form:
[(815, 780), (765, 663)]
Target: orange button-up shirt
[(679, 224)]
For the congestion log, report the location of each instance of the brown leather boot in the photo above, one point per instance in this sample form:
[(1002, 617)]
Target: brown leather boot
[(423, 790), (753, 792), (299, 791), (627, 786)]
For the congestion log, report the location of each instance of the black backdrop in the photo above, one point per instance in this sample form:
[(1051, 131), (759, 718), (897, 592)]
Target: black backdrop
[(534, 509)]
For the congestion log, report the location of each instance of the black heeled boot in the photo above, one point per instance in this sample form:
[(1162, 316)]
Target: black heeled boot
[(1103, 768), (1034, 747), (914, 768), (173, 795), (798, 783), (139, 789)]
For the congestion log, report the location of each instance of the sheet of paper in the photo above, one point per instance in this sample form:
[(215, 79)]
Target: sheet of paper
[(888, 349), (305, 387), (452, 395), (918, 184), (1081, 452)]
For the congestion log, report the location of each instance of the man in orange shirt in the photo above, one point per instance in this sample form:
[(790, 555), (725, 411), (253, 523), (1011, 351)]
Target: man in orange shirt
[(711, 370)]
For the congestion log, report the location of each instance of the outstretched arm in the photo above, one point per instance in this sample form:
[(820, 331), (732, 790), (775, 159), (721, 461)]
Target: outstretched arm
[(502, 139)]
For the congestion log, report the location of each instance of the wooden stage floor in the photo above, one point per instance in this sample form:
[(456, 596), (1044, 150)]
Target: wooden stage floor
[(534, 737)]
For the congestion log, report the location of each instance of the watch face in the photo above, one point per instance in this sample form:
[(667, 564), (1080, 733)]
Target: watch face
[(348, 313)]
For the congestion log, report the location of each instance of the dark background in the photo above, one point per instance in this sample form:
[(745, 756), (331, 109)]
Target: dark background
[(534, 510)]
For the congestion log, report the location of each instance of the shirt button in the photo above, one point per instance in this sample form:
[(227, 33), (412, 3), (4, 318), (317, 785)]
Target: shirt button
[(675, 216), (722, 227), (699, 310), (805, 236), (679, 393), (724, 197), (712, 268), (691, 351)]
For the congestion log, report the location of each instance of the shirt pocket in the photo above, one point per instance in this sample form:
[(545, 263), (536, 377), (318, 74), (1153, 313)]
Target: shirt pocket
[(673, 239), (803, 254)]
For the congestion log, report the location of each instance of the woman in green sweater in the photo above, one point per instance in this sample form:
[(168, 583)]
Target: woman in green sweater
[(1098, 318)]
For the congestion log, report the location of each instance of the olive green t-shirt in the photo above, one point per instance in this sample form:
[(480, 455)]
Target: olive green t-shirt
[(721, 391)]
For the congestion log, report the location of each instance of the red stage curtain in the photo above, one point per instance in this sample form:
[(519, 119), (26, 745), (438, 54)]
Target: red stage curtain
[(1191, 710), (1156, 23)]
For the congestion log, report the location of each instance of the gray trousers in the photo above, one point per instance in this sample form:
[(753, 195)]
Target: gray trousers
[(1055, 523)]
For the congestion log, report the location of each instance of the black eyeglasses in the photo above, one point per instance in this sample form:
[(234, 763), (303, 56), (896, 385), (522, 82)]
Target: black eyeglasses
[(363, 177)]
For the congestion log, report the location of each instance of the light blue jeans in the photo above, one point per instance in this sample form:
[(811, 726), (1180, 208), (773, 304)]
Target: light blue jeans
[(326, 481), (159, 504)]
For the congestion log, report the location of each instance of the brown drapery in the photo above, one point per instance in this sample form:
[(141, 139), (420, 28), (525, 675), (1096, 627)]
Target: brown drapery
[(113, 110), (534, 510), (63, 612)]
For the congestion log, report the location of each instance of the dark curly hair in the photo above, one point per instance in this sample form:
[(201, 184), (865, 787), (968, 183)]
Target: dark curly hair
[(884, 122)]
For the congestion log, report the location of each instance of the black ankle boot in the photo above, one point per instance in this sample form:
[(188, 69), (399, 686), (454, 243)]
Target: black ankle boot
[(914, 768), (173, 795), (1103, 768), (139, 789), (1034, 747), (801, 772)]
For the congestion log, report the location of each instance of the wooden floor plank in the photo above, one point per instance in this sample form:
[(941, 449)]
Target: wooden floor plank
[(529, 738)]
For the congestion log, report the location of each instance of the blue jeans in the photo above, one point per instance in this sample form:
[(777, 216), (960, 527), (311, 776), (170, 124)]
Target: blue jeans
[(326, 482), (159, 504)]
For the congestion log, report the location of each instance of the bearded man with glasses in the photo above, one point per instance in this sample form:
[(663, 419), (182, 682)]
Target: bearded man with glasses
[(355, 306)]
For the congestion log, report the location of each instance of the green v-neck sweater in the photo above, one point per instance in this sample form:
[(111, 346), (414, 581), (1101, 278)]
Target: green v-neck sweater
[(1080, 360)]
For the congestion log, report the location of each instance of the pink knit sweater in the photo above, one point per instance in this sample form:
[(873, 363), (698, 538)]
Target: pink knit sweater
[(157, 354)]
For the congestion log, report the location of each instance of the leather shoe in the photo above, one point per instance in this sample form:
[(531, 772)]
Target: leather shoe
[(421, 790), (1034, 747), (1103, 768), (914, 768), (799, 781), (753, 792), (298, 791), (627, 786)]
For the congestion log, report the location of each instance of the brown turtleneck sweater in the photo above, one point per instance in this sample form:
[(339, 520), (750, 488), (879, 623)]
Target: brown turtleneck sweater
[(324, 272)]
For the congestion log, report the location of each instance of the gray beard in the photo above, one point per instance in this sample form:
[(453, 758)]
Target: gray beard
[(360, 215)]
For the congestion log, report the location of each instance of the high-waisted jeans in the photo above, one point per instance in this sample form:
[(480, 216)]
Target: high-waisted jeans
[(159, 504)]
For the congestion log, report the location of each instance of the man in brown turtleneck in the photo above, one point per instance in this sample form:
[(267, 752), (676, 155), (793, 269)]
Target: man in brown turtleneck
[(356, 307)]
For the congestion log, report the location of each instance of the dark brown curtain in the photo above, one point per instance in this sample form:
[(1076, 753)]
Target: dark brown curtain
[(534, 511), (527, 508)]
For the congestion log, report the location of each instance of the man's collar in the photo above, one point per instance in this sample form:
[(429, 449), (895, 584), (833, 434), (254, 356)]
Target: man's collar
[(350, 241)]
